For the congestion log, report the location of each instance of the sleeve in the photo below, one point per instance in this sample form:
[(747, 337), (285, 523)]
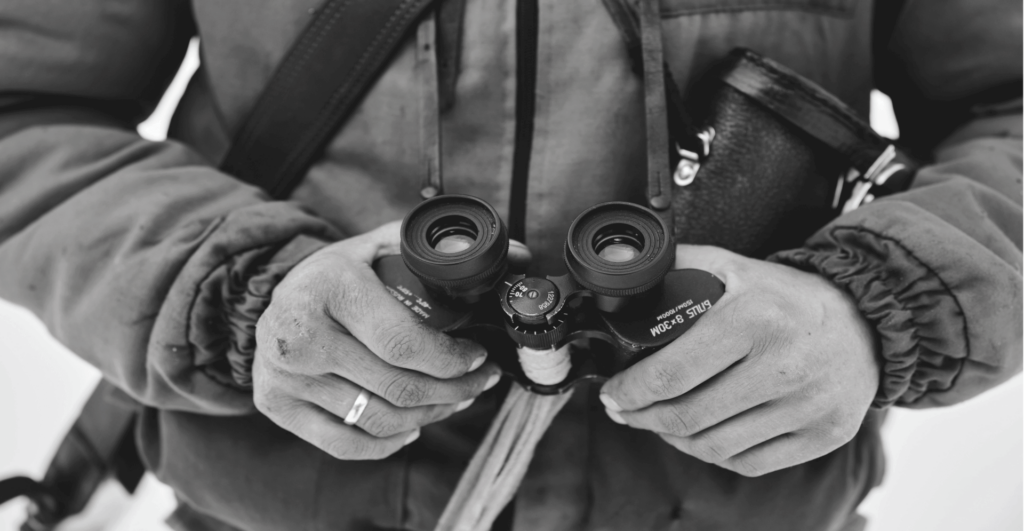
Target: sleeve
[(138, 256), (937, 269)]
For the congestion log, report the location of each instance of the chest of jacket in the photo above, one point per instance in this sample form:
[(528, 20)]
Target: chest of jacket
[(578, 142)]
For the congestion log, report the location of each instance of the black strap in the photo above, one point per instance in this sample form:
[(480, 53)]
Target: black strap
[(659, 178), (316, 87), (11, 488), (680, 124), (100, 445)]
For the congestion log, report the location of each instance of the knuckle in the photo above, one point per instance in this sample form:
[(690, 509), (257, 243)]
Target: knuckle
[(350, 296), (406, 391), (772, 324), (381, 422), (400, 346), (449, 358), (837, 428), (708, 449), (662, 382), (679, 420)]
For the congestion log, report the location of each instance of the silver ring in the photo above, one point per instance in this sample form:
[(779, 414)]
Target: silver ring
[(358, 407)]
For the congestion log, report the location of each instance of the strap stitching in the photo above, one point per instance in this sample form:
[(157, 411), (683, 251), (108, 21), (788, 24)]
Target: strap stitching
[(342, 97)]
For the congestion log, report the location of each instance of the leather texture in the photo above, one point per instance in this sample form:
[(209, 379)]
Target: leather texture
[(803, 104), (761, 188), (781, 143)]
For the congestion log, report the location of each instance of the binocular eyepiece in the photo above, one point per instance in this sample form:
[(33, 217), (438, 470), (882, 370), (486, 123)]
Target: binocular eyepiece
[(620, 301), (457, 246)]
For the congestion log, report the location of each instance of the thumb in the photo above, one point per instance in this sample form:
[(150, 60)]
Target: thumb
[(383, 241), (705, 257), (519, 255)]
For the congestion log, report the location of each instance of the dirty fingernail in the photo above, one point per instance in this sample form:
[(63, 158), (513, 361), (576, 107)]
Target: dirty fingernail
[(413, 436), (609, 403), (615, 416), (492, 381), (477, 363), (464, 404)]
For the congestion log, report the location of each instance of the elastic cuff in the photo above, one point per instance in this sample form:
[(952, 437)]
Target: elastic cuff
[(907, 304), (224, 325)]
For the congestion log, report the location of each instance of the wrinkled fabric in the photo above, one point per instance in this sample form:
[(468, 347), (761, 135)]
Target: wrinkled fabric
[(937, 270), (153, 266), (231, 300)]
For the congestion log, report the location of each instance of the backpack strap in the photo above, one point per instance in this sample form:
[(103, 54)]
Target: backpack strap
[(99, 446), (317, 86)]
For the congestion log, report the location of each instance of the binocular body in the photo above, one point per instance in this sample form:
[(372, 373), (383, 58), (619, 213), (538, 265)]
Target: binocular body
[(619, 303)]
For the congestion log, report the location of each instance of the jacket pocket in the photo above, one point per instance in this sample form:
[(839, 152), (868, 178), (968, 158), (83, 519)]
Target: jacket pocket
[(835, 8)]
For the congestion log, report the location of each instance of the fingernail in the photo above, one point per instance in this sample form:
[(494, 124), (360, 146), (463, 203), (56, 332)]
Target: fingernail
[(464, 404), (478, 362), (615, 416), (413, 436), (609, 403), (492, 381)]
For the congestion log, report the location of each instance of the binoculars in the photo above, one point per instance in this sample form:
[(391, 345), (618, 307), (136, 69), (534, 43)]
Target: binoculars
[(619, 302)]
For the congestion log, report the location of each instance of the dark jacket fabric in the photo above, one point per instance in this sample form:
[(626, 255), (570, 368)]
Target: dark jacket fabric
[(152, 265)]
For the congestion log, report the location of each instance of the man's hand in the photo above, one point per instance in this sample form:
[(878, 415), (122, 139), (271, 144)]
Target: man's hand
[(331, 330), (780, 371)]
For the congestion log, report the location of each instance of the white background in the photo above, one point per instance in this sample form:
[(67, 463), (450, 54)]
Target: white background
[(954, 469)]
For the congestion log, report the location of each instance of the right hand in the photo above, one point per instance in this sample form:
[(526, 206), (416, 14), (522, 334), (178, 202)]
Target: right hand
[(332, 329)]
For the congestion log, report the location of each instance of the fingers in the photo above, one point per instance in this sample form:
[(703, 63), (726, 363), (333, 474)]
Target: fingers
[(770, 437), (706, 257), (364, 307), (732, 392), (519, 255), (324, 351), (781, 452), (704, 351), (327, 432), (406, 388), (737, 434), (380, 418)]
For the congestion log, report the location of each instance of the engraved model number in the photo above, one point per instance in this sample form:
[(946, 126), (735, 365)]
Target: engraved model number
[(678, 318)]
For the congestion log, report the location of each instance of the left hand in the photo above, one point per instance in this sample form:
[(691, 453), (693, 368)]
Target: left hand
[(780, 371)]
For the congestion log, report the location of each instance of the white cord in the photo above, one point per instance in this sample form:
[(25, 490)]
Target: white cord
[(499, 464), (546, 367)]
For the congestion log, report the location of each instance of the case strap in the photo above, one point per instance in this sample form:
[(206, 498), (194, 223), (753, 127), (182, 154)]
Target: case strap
[(316, 88), (680, 125), (659, 178)]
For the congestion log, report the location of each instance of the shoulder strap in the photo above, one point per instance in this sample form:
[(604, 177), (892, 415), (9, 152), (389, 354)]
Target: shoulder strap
[(100, 445), (315, 89)]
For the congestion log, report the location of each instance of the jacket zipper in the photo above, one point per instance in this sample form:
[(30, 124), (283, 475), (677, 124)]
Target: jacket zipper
[(526, 88)]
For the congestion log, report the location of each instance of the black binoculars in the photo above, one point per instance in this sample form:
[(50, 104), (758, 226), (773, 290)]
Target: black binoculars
[(619, 303)]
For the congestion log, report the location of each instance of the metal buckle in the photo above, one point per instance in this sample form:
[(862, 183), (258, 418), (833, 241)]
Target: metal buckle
[(689, 162), (878, 173)]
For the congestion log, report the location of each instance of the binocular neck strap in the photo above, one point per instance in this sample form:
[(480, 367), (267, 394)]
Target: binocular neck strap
[(659, 178), (430, 106)]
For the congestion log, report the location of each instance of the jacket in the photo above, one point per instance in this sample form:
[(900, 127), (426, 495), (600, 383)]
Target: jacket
[(152, 265)]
